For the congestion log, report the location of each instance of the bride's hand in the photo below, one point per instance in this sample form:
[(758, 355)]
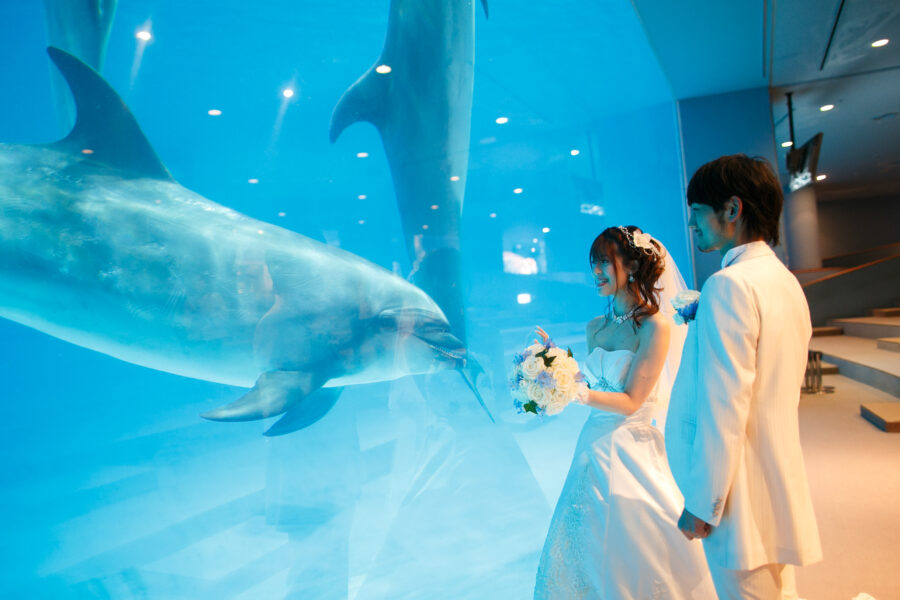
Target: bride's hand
[(544, 336)]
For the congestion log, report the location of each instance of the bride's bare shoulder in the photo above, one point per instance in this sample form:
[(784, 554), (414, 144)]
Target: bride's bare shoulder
[(595, 324), (654, 325)]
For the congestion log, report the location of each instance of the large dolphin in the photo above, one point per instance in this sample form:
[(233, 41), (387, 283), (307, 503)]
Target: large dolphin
[(100, 247), (422, 109), (81, 28)]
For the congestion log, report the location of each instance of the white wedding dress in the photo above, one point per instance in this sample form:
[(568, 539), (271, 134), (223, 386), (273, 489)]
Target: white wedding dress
[(614, 533)]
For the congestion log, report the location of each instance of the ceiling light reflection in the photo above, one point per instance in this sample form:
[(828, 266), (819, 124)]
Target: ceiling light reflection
[(434, 207), (143, 35), (214, 112), (546, 230), (787, 144), (826, 107), (454, 178), (493, 215), (502, 120), (287, 93), (880, 43), (821, 177), (523, 298), (362, 196), (383, 69), (574, 152), (254, 180), (517, 191), (362, 155), (87, 151)]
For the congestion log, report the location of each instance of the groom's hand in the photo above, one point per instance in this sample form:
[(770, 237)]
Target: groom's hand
[(692, 527)]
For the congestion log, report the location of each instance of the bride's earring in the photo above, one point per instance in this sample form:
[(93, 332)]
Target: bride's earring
[(631, 277)]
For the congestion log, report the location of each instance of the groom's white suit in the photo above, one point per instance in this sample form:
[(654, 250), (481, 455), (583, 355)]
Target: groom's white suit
[(732, 431)]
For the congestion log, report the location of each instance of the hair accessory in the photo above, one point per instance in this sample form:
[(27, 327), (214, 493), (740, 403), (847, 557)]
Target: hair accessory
[(641, 240), (631, 277)]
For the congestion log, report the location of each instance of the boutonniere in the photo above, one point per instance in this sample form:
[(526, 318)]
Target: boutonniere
[(685, 304)]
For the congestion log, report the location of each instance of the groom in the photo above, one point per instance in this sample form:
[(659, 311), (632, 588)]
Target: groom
[(732, 432)]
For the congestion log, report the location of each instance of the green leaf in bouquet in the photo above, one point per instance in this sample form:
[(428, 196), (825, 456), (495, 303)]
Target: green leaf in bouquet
[(569, 352), (548, 360), (530, 406)]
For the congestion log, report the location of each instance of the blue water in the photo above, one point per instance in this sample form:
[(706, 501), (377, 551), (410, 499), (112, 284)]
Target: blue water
[(114, 487)]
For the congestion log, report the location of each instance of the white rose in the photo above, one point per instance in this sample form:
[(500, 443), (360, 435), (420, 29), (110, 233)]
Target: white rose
[(565, 382), (531, 366), (538, 394), (685, 298)]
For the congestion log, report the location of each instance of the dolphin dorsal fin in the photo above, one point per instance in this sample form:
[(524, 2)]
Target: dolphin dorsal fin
[(363, 101), (103, 123)]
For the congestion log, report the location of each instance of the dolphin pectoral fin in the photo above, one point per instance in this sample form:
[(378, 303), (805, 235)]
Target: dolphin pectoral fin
[(305, 413), (103, 124), (470, 372), (484, 5), (274, 393), (363, 101)]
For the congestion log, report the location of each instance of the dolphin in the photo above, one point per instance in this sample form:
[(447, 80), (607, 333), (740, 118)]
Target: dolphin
[(100, 247), (81, 28), (422, 109)]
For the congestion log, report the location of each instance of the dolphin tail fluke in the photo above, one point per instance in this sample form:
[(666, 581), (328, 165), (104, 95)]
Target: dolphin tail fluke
[(363, 101), (470, 372), (307, 412), (274, 393)]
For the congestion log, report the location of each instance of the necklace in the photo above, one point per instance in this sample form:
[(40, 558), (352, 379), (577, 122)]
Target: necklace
[(619, 319)]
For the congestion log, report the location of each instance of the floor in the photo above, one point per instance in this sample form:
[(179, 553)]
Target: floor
[(854, 473)]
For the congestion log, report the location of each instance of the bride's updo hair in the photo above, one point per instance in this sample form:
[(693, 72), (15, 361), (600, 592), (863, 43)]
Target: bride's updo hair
[(645, 260)]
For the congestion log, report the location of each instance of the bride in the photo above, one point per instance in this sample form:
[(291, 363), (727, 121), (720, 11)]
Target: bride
[(614, 533)]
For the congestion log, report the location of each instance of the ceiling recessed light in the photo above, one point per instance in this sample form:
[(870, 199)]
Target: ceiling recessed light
[(517, 191), (254, 180), (362, 155), (361, 222), (362, 196), (880, 43), (534, 241), (493, 215), (143, 35), (826, 107), (288, 93), (546, 230), (502, 120), (821, 177), (434, 207), (574, 152), (383, 69), (87, 151), (259, 231), (215, 112), (282, 214), (787, 144), (424, 226), (454, 178), (523, 298)]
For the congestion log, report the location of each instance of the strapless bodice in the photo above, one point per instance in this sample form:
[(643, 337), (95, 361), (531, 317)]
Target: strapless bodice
[(607, 371)]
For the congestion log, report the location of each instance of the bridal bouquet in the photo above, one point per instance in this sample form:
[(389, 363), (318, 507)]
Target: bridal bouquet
[(546, 379)]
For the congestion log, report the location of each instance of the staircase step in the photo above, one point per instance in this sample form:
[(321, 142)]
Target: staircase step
[(861, 359), (892, 344), (823, 331), (869, 327), (883, 415), (886, 312)]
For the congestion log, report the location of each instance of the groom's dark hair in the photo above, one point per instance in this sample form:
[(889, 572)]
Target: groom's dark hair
[(750, 179)]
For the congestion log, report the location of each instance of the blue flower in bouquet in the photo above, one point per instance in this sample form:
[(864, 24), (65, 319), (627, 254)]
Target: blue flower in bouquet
[(685, 305), (518, 359), (546, 380)]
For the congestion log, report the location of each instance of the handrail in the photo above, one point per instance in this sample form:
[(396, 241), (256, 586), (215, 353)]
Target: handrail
[(851, 269), (863, 251)]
